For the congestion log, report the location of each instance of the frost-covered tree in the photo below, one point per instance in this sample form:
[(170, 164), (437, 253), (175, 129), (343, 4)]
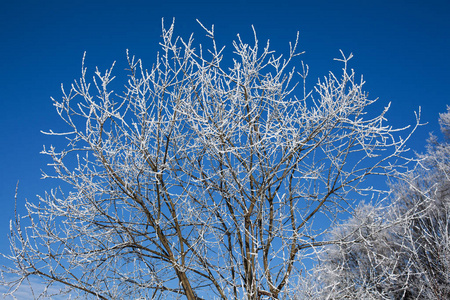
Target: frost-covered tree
[(203, 178), (401, 251)]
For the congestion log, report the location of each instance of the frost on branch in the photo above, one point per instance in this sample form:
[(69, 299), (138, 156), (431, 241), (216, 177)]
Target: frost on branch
[(203, 178)]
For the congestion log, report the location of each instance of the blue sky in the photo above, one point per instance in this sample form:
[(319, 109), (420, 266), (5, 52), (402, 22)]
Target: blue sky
[(401, 47)]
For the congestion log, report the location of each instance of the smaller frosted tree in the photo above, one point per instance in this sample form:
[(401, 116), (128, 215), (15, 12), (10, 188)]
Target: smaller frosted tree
[(401, 251)]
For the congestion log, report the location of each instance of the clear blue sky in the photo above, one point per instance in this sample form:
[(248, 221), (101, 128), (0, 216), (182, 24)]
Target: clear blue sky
[(401, 47)]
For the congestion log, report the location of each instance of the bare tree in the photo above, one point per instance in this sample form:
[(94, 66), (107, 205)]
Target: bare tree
[(401, 251), (204, 178)]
